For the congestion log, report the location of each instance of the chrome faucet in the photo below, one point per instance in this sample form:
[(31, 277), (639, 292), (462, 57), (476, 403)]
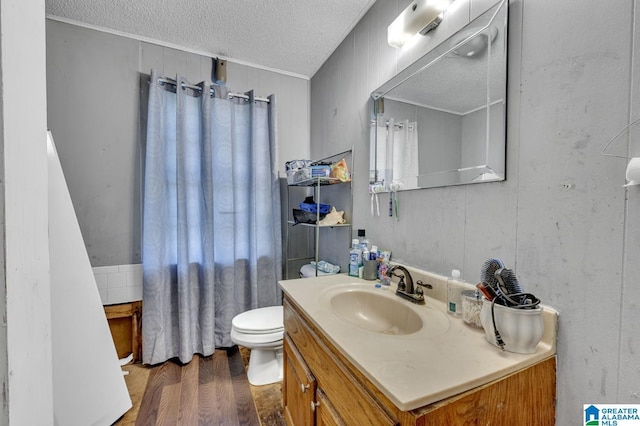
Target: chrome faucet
[(406, 289)]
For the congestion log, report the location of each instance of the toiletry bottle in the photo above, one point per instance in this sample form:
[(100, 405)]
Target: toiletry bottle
[(383, 267), (384, 256), (454, 293), (373, 254), (365, 258), (355, 258), (364, 241)]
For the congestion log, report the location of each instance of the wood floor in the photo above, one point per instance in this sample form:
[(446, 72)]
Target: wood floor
[(210, 390)]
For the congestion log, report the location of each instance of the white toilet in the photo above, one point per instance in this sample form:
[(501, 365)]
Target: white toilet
[(261, 330)]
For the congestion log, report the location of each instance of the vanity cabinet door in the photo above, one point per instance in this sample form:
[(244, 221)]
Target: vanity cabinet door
[(326, 414), (299, 388)]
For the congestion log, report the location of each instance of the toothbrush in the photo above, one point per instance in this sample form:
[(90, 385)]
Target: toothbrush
[(374, 202), (395, 198)]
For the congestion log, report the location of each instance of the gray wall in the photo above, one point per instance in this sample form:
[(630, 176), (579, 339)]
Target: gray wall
[(96, 87), (562, 218)]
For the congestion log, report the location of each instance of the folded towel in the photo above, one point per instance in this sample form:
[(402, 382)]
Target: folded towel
[(327, 267)]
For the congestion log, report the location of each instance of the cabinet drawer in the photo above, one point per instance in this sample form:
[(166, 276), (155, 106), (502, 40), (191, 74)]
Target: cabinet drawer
[(348, 396)]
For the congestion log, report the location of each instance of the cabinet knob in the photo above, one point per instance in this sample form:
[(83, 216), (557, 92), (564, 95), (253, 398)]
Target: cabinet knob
[(304, 387), (314, 405)]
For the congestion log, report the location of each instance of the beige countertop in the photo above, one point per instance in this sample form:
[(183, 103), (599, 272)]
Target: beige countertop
[(421, 368)]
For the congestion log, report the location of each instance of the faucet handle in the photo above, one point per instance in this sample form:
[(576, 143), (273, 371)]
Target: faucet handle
[(401, 284)]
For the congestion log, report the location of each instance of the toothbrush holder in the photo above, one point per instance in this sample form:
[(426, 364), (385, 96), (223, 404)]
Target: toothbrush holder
[(520, 329)]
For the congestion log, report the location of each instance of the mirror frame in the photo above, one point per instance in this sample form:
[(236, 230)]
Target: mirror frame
[(481, 173)]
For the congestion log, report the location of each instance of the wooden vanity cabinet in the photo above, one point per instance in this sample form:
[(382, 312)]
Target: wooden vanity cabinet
[(344, 396)]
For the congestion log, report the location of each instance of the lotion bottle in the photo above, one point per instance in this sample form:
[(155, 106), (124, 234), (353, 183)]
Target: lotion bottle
[(454, 293)]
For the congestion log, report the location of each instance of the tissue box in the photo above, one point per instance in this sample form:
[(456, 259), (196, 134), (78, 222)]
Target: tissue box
[(320, 171)]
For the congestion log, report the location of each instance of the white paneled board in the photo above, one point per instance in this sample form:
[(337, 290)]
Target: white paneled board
[(88, 386)]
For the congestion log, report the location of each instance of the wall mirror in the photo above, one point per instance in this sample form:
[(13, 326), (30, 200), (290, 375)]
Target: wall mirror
[(442, 120)]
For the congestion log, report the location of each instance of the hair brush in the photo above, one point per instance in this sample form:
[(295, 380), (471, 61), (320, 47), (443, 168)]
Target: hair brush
[(510, 284), (511, 291), (487, 275)]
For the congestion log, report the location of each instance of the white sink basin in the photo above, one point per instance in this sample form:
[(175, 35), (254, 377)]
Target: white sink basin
[(374, 312), (381, 311)]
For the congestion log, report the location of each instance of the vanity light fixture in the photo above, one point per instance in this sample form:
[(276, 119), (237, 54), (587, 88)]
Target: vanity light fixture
[(474, 47), (421, 16)]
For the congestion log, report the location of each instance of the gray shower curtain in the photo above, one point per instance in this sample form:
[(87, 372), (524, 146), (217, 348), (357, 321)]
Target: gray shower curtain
[(211, 220)]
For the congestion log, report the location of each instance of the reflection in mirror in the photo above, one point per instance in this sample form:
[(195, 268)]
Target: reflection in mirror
[(442, 120)]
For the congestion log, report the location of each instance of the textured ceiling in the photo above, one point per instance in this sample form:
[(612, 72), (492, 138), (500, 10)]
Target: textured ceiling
[(295, 36)]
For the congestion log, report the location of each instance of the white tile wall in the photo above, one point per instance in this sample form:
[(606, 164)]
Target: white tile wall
[(119, 283)]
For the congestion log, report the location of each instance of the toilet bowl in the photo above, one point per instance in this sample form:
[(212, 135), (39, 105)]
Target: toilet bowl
[(261, 330)]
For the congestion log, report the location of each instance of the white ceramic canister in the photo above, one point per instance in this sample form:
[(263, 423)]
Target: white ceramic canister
[(521, 329)]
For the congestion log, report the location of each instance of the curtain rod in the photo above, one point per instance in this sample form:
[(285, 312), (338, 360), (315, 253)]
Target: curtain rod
[(211, 90), (398, 125)]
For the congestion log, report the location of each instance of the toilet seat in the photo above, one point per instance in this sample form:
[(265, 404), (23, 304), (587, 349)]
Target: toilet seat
[(259, 321), (250, 340)]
